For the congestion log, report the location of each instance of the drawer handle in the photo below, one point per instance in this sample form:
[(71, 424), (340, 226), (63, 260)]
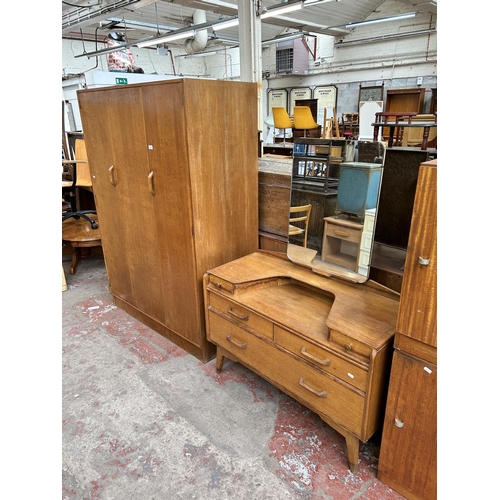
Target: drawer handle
[(324, 362), (398, 423), (348, 347), (341, 233), (320, 394), (424, 262), (237, 343), (151, 183), (218, 285), (243, 317)]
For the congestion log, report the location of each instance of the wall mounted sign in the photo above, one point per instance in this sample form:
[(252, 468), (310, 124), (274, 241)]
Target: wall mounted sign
[(277, 97), (375, 93)]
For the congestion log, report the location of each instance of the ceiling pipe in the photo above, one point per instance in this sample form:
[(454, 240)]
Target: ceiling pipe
[(199, 42)]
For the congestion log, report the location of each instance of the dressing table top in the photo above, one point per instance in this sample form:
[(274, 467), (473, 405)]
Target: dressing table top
[(358, 311)]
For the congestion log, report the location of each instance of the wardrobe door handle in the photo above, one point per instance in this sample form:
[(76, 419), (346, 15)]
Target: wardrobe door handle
[(243, 317), (111, 175), (236, 342), (324, 362), (398, 423), (424, 262), (151, 183), (320, 394)]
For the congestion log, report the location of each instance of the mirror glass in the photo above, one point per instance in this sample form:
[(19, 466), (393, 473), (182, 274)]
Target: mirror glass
[(333, 207)]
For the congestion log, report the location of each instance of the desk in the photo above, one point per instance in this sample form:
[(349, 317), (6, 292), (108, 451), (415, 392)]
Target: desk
[(395, 125)]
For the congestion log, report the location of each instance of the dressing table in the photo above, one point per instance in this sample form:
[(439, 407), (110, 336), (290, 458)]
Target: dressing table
[(335, 338), (311, 323)]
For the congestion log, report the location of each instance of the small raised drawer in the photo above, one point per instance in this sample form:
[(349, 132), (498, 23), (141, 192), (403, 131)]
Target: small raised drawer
[(350, 346), (221, 284)]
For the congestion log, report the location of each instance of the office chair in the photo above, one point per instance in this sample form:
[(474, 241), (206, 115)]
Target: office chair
[(281, 120), (303, 119), (303, 219), (79, 173)]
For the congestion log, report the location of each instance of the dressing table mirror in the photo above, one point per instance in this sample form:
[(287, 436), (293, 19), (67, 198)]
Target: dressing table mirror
[(336, 184)]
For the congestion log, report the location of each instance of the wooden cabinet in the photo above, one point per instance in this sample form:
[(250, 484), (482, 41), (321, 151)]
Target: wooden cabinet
[(408, 453), (325, 342), (175, 196)]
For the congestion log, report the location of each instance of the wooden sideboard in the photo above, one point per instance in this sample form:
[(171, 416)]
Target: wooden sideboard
[(408, 453), (335, 338)]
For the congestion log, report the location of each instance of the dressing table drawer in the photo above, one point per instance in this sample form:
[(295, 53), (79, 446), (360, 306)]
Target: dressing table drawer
[(221, 284), (241, 315), (323, 359), (316, 390), (351, 347)]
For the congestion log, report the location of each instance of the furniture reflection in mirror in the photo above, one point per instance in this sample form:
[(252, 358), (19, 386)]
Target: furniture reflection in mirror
[(394, 214), (339, 244), (299, 222)]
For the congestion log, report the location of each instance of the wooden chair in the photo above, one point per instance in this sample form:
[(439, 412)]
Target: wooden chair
[(330, 125), (350, 125), (303, 119), (281, 120), (303, 220)]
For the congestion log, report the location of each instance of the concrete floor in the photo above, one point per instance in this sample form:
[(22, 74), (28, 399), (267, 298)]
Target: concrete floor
[(144, 420)]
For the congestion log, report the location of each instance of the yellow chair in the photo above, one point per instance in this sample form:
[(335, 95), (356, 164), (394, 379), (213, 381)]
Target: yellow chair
[(303, 219), (281, 120), (303, 119)]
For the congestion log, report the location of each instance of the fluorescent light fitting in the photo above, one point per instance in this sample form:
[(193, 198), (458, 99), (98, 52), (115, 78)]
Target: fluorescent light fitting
[(227, 23), (381, 20), (282, 9), (286, 38), (166, 38), (313, 2)]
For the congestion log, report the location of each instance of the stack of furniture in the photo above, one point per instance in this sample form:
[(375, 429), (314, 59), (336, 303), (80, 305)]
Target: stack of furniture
[(175, 195), (408, 453)]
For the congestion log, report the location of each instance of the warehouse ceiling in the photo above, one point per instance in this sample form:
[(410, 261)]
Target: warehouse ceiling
[(93, 20)]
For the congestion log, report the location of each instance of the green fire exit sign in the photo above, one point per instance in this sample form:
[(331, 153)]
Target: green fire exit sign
[(121, 81)]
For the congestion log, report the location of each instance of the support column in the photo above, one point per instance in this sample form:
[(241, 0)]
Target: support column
[(250, 37)]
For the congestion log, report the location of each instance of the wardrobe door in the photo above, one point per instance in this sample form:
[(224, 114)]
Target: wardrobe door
[(114, 132), (408, 456), (171, 214), (417, 316)]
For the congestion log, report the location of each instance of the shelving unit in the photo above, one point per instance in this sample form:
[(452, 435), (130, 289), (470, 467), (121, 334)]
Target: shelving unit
[(316, 162)]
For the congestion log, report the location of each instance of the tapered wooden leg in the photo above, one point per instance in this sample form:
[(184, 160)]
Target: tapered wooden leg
[(219, 363), (352, 452), (74, 261)]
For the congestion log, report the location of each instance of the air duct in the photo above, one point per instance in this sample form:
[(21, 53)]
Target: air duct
[(199, 42)]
